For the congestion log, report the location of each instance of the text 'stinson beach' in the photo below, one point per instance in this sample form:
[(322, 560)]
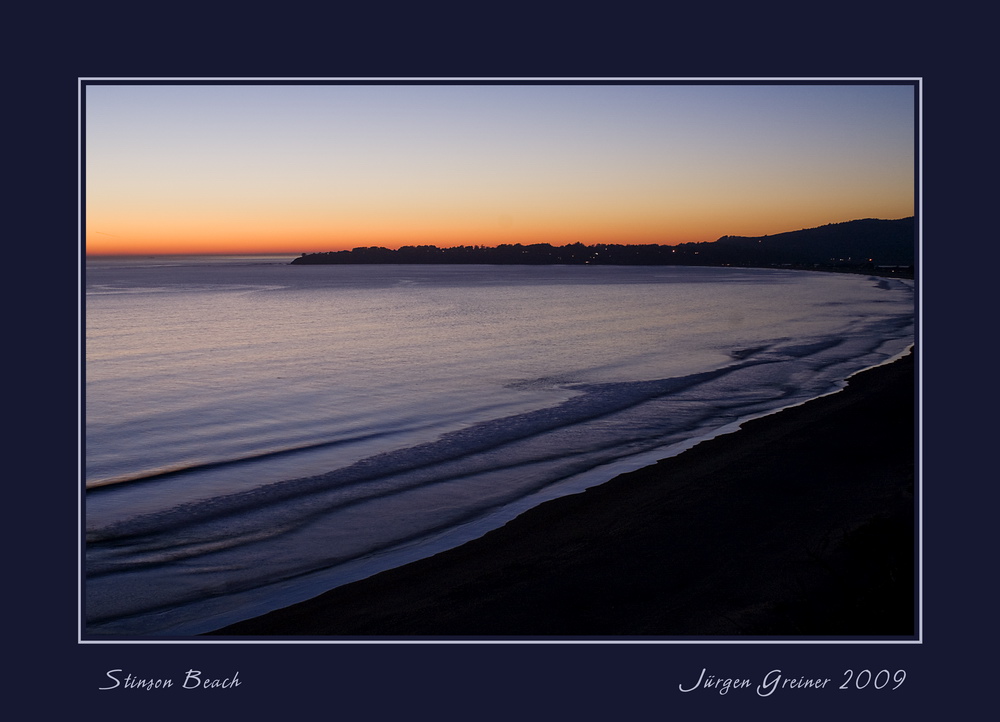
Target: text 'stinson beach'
[(522, 435)]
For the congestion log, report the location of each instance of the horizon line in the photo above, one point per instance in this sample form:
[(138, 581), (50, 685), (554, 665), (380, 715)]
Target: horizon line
[(149, 254)]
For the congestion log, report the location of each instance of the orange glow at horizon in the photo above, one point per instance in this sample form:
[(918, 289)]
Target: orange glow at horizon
[(134, 238)]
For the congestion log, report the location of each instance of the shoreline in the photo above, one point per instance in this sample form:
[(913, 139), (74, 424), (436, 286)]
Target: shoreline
[(800, 523)]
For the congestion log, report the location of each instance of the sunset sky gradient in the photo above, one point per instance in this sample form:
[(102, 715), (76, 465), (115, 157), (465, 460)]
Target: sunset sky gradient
[(289, 168)]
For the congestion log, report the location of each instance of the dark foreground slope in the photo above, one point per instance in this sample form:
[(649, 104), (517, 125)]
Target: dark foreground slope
[(801, 523)]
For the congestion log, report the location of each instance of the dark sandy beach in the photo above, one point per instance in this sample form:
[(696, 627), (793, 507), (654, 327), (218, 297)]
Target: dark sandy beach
[(800, 524)]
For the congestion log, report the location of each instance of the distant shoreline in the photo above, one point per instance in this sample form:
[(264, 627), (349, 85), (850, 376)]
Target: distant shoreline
[(880, 247), (886, 272), (799, 524)]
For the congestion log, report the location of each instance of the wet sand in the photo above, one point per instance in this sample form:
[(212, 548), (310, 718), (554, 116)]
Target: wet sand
[(800, 524)]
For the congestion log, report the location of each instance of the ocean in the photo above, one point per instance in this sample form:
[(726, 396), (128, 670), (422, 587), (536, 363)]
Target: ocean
[(255, 433)]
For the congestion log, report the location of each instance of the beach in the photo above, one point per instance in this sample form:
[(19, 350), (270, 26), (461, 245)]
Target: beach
[(799, 524)]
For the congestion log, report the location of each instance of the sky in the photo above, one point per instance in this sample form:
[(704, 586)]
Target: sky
[(290, 168)]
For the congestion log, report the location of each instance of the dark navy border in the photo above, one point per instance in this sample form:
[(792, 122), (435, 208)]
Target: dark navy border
[(51, 669)]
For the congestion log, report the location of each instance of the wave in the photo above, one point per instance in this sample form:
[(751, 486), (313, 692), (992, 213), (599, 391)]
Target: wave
[(286, 530), (500, 445), (595, 402)]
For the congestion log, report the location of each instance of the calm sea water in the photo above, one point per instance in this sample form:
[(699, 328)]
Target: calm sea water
[(256, 432)]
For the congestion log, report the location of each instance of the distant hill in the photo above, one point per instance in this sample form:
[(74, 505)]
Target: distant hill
[(854, 245), (870, 240)]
